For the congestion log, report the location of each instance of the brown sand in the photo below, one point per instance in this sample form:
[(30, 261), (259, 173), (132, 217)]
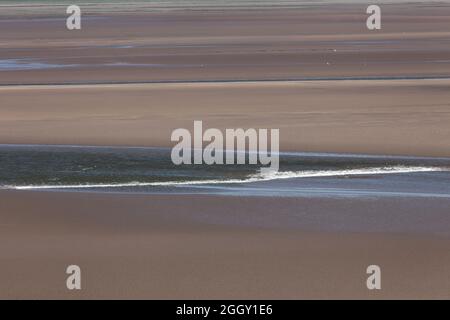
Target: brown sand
[(304, 42), (134, 246), (384, 117)]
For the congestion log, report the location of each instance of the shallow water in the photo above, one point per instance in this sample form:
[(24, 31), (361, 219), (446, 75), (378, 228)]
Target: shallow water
[(30, 64), (150, 170)]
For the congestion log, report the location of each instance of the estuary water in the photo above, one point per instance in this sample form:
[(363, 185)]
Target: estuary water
[(150, 170)]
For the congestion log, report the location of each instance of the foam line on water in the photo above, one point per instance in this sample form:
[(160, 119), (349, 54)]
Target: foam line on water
[(266, 176)]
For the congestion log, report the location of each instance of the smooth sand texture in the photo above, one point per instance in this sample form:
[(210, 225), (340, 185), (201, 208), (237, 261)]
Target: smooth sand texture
[(382, 117), (134, 246)]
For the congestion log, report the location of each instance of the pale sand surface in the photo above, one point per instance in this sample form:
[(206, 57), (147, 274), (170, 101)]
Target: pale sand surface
[(144, 246), (409, 117)]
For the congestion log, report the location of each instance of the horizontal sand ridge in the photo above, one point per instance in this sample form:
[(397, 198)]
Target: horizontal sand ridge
[(398, 117), (236, 39), (139, 4), (87, 84), (353, 82)]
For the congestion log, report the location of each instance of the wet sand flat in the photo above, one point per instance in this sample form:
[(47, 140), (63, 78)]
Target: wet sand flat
[(323, 41), (132, 246)]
